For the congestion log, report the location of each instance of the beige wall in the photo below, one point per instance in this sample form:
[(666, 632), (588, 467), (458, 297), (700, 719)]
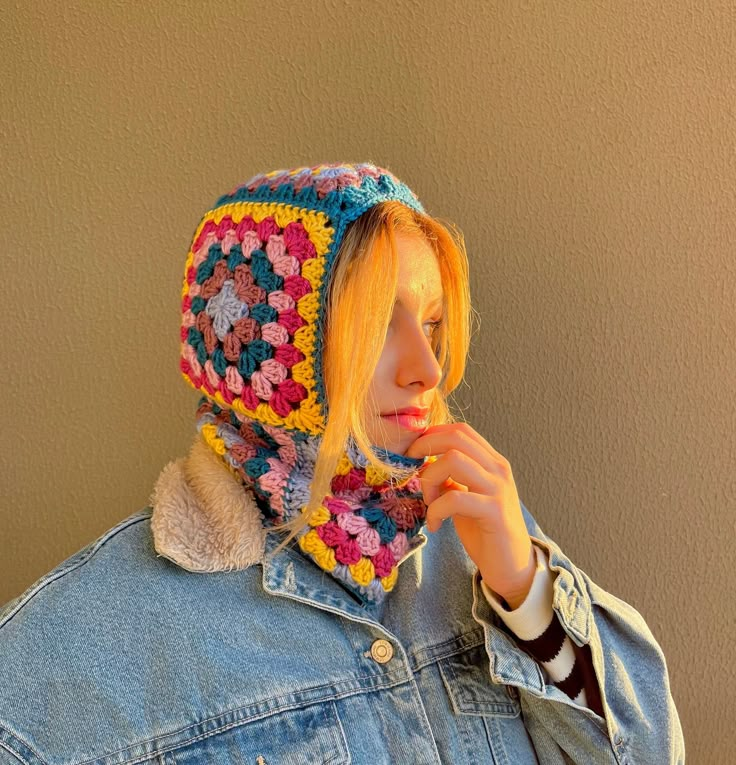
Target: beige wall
[(585, 149)]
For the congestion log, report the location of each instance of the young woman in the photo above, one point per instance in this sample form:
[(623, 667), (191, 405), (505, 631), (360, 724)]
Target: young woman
[(339, 571)]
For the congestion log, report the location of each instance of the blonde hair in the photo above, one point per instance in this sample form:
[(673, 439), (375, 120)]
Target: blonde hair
[(358, 311)]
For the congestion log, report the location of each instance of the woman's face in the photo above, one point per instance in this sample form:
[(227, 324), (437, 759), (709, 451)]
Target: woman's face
[(408, 372)]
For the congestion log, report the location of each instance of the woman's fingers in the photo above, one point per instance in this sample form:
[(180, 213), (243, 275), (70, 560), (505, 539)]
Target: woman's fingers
[(459, 467), (438, 435), (466, 504)]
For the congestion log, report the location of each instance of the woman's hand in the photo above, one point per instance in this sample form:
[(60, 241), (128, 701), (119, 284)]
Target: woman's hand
[(482, 500)]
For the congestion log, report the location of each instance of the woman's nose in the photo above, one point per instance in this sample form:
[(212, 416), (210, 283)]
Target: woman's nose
[(419, 362)]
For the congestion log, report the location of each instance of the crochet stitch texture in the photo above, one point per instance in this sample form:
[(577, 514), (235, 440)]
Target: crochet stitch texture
[(253, 299)]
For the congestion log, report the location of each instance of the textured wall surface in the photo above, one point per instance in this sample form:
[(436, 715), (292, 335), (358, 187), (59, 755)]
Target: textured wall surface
[(586, 150)]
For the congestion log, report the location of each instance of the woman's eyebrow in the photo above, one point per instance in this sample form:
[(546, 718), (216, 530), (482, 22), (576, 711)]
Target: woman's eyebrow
[(436, 302)]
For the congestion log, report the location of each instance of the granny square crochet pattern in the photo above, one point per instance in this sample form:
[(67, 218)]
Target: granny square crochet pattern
[(254, 288), (253, 302)]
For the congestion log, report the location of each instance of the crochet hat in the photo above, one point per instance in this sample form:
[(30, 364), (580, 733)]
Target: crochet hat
[(255, 286)]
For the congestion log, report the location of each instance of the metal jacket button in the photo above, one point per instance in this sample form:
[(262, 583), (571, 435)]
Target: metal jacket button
[(382, 651)]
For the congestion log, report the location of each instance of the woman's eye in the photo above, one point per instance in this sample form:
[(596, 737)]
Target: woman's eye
[(434, 326)]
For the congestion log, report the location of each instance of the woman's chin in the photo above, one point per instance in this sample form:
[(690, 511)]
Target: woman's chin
[(394, 438), (400, 446)]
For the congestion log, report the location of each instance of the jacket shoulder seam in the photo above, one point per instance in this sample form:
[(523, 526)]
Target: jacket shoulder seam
[(74, 561)]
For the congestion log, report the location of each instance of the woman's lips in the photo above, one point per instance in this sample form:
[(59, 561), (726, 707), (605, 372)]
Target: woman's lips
[(408, 421)]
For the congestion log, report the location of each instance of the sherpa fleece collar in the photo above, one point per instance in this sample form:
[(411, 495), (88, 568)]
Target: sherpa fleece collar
[(203, 519)]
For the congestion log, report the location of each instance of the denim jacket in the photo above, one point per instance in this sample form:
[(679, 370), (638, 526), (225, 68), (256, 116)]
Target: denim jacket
[(172, 640)]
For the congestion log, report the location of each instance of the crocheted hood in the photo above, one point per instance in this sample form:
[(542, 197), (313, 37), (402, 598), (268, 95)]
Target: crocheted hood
[(254, 300), (255, 289)]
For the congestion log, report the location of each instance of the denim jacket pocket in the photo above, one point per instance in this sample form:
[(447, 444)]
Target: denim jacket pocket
[(487, 714), (468, 682), (310, 735)]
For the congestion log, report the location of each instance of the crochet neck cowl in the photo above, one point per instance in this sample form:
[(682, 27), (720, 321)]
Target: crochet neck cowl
[(363, 529), (253, 300)]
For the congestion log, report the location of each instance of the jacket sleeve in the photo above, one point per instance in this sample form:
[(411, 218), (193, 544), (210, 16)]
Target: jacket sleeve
[(634, 718), (538, 631)]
